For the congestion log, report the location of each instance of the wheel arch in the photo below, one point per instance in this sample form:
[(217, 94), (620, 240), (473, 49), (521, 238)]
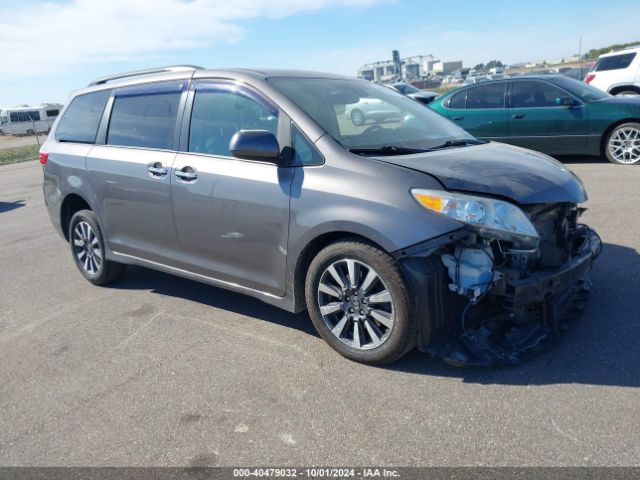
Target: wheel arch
[(609, 129), (621, 88), (311, 249), (71, 204)]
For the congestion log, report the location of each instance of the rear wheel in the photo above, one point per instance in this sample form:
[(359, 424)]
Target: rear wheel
[(623, 144), (87, 248), (359, 303)]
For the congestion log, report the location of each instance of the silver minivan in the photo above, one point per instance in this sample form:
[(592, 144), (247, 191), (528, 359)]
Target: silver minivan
[(394, 233)]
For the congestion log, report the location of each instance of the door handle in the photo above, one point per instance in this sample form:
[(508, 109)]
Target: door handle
[(157, 170), (517, 116), (187, 174), (457, 119)]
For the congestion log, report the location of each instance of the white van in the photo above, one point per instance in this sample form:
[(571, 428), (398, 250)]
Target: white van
[(28, 120), (617, 72)]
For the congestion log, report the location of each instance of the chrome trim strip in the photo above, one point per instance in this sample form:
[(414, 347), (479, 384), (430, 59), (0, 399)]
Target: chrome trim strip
[(550, 136), (195, 276)]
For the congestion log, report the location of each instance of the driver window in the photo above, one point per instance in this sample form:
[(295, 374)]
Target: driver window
[(218, 113)]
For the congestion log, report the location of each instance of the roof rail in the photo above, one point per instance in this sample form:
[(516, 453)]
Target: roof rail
[(148, 71)]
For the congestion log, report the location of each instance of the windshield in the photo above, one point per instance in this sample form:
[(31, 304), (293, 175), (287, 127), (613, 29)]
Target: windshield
[(582, 90), (407, 88), (362, 115), (3, 120)]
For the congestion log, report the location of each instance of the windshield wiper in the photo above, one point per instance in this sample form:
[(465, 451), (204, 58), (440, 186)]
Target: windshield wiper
[(388, 150), (458, 143)]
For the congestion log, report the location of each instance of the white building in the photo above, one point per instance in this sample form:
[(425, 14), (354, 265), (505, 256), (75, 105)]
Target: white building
[(447, 67), (413, 68)]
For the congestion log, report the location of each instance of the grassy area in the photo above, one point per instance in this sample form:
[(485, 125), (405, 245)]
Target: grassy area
[(444, 88), (19, 154)]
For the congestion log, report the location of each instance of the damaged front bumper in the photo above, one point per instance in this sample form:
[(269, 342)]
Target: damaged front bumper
[(500, 320)]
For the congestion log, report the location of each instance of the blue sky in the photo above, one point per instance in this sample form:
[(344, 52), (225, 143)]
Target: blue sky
[(50, 48)]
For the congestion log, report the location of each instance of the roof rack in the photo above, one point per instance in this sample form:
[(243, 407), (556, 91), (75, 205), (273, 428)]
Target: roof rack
[(148, 71)]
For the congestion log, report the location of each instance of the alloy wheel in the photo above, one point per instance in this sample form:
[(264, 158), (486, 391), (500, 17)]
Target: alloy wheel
[(356, 304), (357, 117), (87, 247), (624, 145)]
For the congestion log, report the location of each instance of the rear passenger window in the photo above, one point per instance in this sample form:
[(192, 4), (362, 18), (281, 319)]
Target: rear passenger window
[(220, 111), (616, 62), (81, 119), (458, 100), (535, 94), (304, 152), (488, 95), (145, 120)]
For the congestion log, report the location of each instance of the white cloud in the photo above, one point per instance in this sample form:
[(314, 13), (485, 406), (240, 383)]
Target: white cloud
[(47, 38)]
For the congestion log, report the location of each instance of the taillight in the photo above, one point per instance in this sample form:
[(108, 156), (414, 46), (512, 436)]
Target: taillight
[(589, 77), (43, 157)]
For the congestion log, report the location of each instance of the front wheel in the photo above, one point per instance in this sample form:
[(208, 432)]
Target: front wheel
[(88, 250), (359, 303), (623, 144)]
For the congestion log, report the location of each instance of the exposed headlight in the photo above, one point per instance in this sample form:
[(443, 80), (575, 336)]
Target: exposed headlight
[(494, 218)]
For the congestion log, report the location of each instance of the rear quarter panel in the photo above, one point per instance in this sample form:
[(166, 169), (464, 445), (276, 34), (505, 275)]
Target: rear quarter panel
[(65, 173)]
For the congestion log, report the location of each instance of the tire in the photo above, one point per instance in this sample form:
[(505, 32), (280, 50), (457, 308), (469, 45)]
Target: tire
[(87, 249), (358, 312), (623, 144), (357, 117), (30, 132)]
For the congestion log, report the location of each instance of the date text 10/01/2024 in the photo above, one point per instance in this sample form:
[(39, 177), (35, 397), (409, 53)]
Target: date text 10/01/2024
[(315, 472)]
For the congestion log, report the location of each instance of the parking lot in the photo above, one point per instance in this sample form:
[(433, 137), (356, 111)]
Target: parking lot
[(158, 370)]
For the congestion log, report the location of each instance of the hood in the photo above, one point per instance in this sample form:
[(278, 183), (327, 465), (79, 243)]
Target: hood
[(423, 95), (496, 169), (632, 100)]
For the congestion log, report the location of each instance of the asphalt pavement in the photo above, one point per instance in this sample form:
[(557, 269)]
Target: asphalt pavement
[(158, 370)]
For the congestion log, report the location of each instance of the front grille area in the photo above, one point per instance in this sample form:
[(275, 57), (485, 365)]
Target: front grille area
[(560, 233)]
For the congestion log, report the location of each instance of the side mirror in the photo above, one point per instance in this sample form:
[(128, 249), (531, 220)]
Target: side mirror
[(566, 102), (255, 145)]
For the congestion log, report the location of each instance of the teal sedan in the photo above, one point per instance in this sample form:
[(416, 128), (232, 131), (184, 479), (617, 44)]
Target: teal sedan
[(553, 114)]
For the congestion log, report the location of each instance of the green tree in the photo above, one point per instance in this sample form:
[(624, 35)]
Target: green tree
[(596, 52)]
